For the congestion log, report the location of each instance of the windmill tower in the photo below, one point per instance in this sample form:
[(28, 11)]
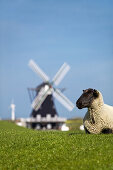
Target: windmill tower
[(47, 107), (12, 111), (42, 97)]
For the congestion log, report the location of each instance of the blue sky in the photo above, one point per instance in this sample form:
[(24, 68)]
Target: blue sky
[(51, 32)]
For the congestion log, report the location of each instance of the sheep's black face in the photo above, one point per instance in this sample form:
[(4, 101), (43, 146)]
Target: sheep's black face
[(87, 98)]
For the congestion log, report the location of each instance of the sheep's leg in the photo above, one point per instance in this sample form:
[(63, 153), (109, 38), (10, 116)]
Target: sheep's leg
[(92, 128), (107, 131), (86, 130)]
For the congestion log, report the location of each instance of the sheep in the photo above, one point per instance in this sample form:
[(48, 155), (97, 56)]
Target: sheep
[(99, 116)]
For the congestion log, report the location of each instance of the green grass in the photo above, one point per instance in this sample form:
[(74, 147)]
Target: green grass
[(23, 149), (74, 124)]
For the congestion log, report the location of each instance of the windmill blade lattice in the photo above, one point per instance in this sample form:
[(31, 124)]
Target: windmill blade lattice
[(38, 70), (63, 99), (60, 74)]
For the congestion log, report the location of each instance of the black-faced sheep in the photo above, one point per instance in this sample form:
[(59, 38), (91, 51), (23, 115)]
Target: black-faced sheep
[(99, 117)]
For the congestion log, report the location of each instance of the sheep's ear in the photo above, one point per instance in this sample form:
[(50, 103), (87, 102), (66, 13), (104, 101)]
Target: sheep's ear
[(95, 93)]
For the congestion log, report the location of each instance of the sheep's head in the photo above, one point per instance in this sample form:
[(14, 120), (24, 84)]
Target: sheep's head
[(87, 98)]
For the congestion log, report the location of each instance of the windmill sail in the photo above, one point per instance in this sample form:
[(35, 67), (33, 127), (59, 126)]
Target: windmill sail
[(63, 99), (38, 70), (40, 98), (60, 74)]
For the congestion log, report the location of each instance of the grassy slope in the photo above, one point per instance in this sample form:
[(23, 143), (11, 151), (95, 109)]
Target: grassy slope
[(74, 124), (27, 149)]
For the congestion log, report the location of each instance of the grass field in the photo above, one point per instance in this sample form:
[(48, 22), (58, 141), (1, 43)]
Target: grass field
[(23, 149)]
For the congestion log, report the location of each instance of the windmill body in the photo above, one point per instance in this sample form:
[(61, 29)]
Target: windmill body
[(12, 111), (42, 98), (47, 107)]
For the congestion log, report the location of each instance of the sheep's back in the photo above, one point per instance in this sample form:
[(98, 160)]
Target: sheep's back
[(107, 115)]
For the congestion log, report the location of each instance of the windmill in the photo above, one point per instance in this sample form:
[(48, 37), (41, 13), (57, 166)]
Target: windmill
[(43, 98), (12, 106)]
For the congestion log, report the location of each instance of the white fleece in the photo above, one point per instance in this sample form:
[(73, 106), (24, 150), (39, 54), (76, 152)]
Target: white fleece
[(99, 116)]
